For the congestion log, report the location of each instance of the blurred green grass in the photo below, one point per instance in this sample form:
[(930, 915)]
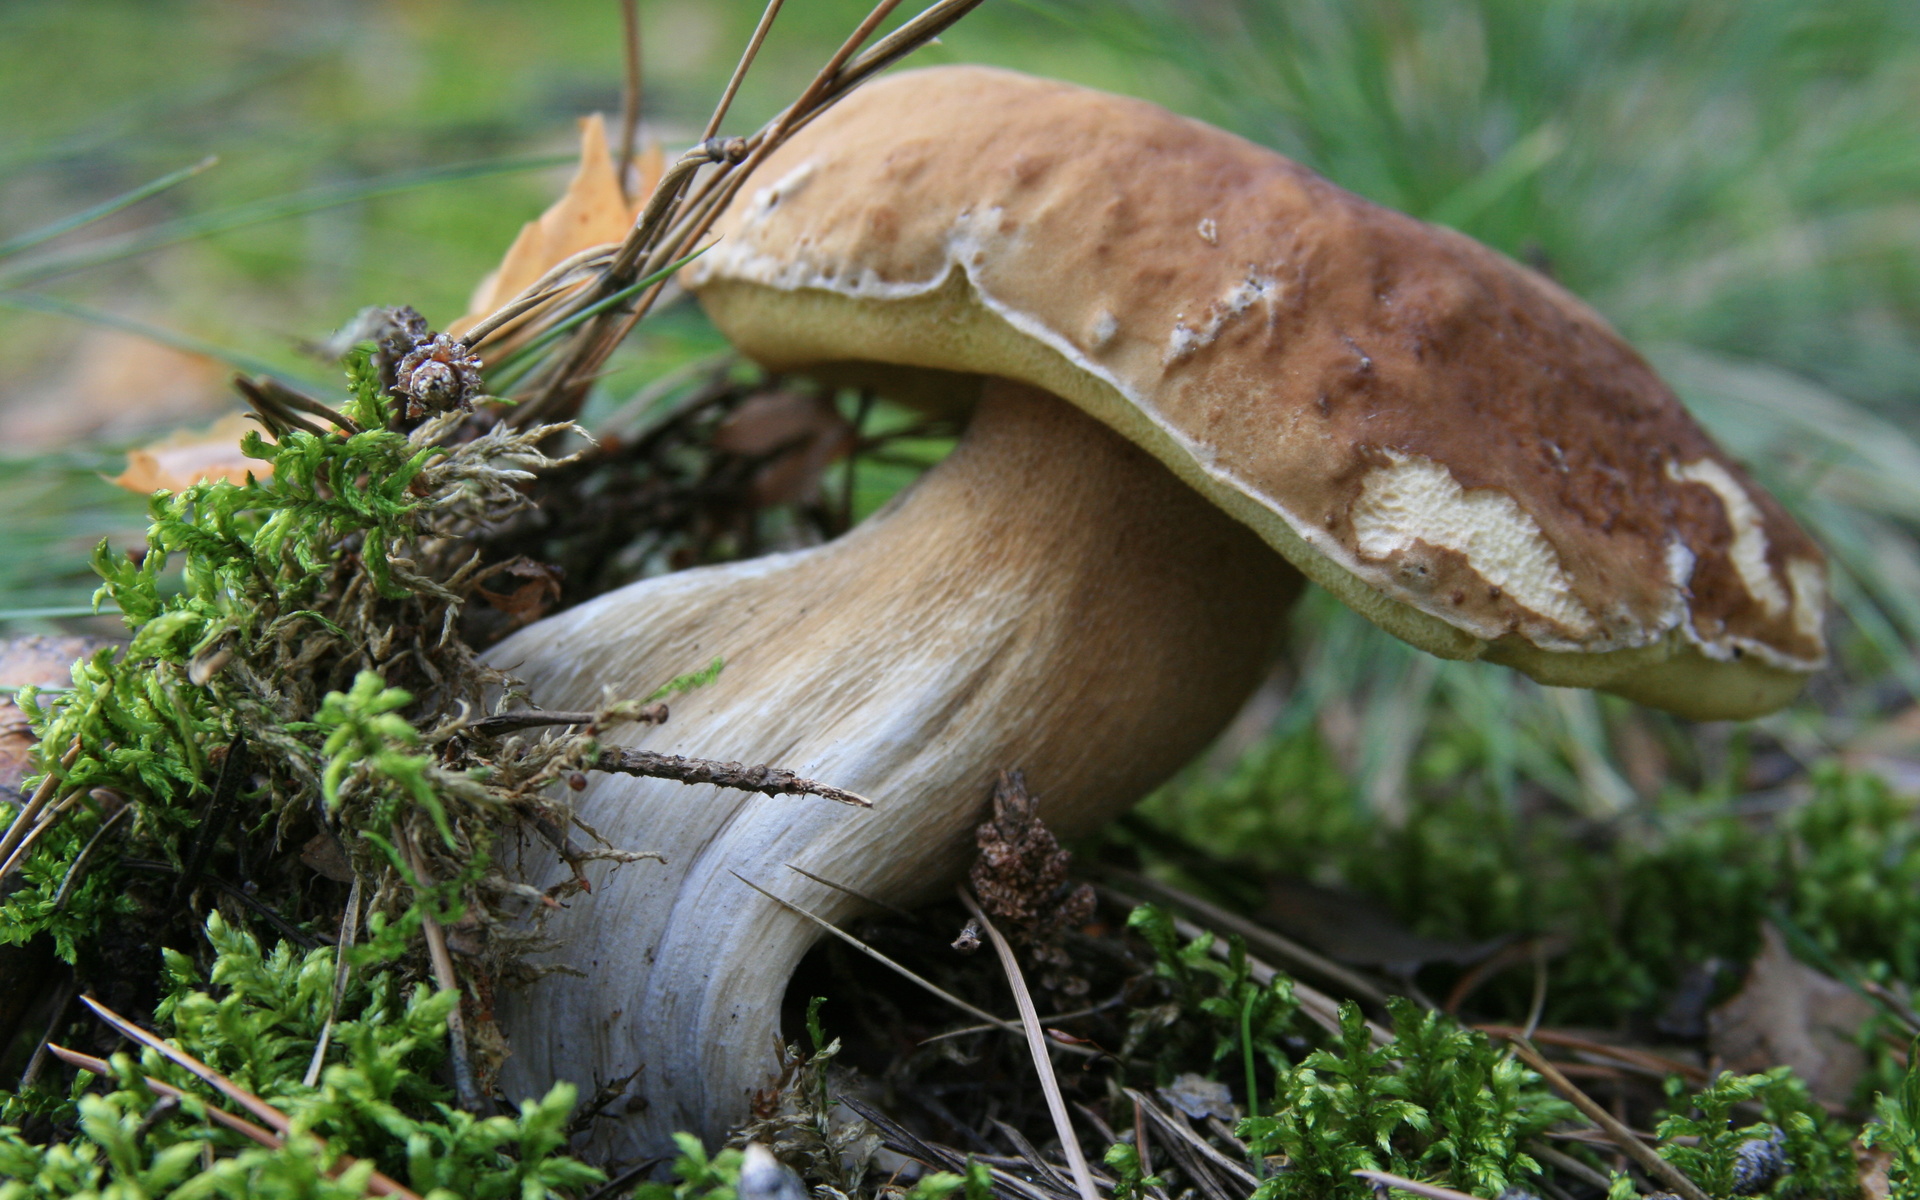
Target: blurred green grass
[(1734, 183)]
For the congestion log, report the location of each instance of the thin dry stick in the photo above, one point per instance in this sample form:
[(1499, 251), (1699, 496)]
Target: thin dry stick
[(509, 722), (768, 781), (1256, 935), (466, 1092), (903, 972), (1181, 1132), (630, 97), (1622, 1137), (740, 72), (1432, 1191), (76, 871), (23, 820), (1323, 1010), (1037, 1046), (51, 819), (275, 1119), (63, 999), (378, 1184), (895, 909), (349, 931)]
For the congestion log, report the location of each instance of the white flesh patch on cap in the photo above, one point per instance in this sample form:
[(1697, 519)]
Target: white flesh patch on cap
[(768, 198), (1104, 327), (1418, 500), (1749, 548), (1186, 340), (1809, 582)]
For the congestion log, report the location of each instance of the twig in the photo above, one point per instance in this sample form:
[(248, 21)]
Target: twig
[(1183, 1134), (740, 71), (1037, 1042), (1320, 1008), (630, 92), (1563, 1161), (49, 820), (23, 820), (1622, 1137), (76, 870), (1256, 935), (377, 1183), (1658, 1066), (1432, 1191), (904, 972), (466, 1093), (349, 930), (510, 722), (63, 1001), (768, 781), (895, 909), (275, 1119)]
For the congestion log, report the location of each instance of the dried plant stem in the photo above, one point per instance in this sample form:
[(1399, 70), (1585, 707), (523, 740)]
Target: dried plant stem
[(349, 931), (76, 871), (510, 722), (1037, 1045), (1432, 1191), (1655, 1166), (377, 1184), (630, 92), (1285, 948), (24, 819), (768, 781), (677, 218), (740, 71), (51, 818), (466, 1093)]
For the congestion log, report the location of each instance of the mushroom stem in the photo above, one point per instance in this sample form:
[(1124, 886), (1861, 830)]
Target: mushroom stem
[(1048, 597)]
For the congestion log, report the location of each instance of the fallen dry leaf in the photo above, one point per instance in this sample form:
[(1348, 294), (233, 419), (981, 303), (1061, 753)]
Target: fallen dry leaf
[(529, 601), (32, 661), (187, 456), (1787, 1013), (593, 211), (111, 385), (1874, 1184), (798, 434)]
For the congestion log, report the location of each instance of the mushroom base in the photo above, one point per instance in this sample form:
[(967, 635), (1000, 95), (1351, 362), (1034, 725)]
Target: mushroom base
[(1049, 597)]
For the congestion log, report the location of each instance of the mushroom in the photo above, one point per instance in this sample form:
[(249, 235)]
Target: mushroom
[(1197, 375)]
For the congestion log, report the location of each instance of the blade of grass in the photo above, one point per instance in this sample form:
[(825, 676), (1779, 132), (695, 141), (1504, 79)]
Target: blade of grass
[(260, 212), (105, 208), (38, 302)]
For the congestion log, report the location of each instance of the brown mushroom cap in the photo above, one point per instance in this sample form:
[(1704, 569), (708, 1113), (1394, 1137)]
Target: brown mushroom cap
[(1455, 446)]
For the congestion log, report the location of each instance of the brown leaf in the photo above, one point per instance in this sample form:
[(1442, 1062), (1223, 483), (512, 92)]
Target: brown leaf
[(112, 385), (323, 856), (186, 457), (32, 661), (1788, 1014), (593, 211), (532, 599), (799, 434)]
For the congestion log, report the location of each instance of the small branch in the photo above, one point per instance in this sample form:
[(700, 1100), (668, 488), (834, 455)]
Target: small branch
[(1622, 1137), (630, 93), (24, 819), (466, 1093), (1256, 935), (349, 930), (1037, 1046), (377, 1184), (740, 71), (1432, 1191), (903, 972), (512, 722), (768, 781)]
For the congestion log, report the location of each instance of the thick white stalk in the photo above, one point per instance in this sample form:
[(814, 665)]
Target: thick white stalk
[(1047, 598)]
